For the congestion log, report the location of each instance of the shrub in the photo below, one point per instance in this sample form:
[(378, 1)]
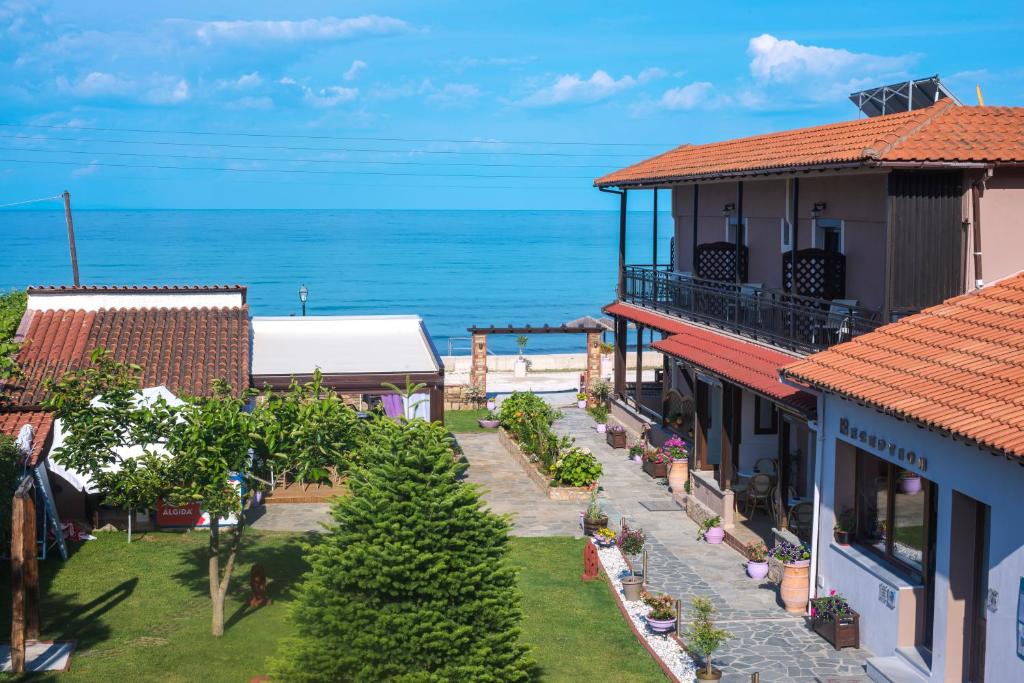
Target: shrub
[(599, 413), (601, 390), (662, 607), (631, 541), (576, 466), (412, 580), (703, 637)]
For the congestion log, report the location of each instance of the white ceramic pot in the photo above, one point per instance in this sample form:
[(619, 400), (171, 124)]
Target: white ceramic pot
[(581, 404), (602, 428)]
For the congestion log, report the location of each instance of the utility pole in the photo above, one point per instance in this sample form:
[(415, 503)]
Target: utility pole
[(71, 236)]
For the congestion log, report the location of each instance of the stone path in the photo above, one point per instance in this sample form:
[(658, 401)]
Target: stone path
[(765, 638), (290, 517), (508, 490)]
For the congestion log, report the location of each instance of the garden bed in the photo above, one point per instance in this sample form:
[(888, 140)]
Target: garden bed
[(577, 494)]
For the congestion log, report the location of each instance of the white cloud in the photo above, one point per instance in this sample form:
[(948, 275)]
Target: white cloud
[(168, 91), (688, 96), (243, 82), (284, 80), (572, 88), (651, 74), (327, 28), (787, 61), (83, 171), (330, 96), (353, 71), (95, 84)]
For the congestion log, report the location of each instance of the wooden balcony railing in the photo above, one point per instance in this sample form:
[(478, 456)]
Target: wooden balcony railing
[(789, 321)]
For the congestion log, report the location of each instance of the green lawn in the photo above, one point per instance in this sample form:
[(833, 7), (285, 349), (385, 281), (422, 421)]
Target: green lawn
[(140, 612), (464, 421)]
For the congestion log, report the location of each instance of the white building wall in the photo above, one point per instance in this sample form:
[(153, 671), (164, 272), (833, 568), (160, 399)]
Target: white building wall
[(952, 465)]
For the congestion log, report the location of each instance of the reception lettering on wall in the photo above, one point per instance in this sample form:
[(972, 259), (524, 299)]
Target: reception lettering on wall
[(882, 445)]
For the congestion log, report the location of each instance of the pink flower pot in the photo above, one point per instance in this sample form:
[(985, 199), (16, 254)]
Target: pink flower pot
[(637, 458), (714, 535), (757, 570), (602, 428), (581, 404), (489, 424), (661, 625)]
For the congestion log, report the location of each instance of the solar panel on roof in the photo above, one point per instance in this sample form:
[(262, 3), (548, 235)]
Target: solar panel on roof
[(900, 97)]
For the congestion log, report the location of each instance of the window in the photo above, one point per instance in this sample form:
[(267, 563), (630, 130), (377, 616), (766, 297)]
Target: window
[(766, 417), (895, 514), (730, 230), (786, 238), (828, 235)]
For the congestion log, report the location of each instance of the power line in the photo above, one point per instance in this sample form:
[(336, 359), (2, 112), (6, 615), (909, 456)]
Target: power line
[(293, 148), (286, 160), (335, 137), (33, 201), (293, 170)]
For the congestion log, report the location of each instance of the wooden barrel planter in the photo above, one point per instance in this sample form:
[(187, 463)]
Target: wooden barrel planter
[(795, 585), (843, 632), (592, 525)]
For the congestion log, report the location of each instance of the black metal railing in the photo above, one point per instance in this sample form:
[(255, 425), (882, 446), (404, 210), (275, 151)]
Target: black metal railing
[(779, 318)]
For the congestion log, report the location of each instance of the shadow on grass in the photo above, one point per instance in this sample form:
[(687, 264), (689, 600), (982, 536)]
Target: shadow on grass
[(281, 557)]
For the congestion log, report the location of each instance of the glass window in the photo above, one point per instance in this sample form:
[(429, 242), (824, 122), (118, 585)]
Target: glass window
[(894, 516), (766, 419), (828, 234)]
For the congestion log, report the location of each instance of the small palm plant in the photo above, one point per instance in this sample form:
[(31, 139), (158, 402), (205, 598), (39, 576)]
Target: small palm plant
[(703, 637), (521, 343)]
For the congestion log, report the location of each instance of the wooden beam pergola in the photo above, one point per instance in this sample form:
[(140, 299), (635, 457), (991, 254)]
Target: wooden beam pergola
[(543, 329)]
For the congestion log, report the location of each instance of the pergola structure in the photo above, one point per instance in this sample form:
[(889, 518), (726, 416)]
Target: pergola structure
[(478, 368)]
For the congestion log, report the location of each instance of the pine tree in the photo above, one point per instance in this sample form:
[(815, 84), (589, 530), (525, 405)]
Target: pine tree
[(412, 581)]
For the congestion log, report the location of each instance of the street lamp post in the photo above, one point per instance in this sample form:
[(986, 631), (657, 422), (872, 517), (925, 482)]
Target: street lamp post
[(303, 296)]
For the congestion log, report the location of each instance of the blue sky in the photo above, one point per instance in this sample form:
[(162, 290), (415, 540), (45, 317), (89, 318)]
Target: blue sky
[(443, 104)]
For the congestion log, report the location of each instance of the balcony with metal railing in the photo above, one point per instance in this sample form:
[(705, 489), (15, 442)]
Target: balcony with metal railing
[(790, 321)]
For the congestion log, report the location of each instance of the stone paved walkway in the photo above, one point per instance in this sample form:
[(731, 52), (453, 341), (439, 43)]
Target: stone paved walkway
[(508, 490), (290, 517), (765, 638)]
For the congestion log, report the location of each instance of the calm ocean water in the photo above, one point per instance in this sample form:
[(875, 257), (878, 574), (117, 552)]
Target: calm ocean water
[(454, 268)]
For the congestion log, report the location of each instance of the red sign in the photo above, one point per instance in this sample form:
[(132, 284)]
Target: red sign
[(172, 515)]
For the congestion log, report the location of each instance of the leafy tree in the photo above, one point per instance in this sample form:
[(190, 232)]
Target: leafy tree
[(10, 474), (195, 452), (412, 581), (12, 308)]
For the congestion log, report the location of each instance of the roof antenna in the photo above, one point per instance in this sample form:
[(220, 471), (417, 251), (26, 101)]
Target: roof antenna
[(981, 100)]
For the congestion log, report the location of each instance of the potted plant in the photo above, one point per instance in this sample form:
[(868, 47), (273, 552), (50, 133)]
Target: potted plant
[(489, 421), (910, 483), (604, 537), (661, 614), (656, 463), (601, 391), (600, 415), (615, 435), (679, 465), (843, 527), (834, 620), (476, 395), (796, 560), (636, 451), (581, 400), (594, 518), (519, 367), (704, 638), (711, 530), (492, 404), (631, 545), (757, 560)]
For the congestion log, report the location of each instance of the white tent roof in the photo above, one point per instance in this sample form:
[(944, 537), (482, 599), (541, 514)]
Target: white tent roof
[(341, 345), (82, 481)]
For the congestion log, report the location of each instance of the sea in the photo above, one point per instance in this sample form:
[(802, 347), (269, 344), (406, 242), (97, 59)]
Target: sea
[(453, 268)]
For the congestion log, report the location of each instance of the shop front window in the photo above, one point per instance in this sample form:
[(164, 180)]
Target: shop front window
[(894, 512)]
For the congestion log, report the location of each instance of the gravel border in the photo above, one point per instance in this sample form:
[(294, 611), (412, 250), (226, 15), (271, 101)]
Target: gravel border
[(673, 659)]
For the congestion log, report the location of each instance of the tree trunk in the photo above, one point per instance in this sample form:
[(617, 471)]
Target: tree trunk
[(219, 584)]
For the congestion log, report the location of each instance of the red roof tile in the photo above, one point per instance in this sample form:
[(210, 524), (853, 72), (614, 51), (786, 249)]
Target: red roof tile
[(42, 423), (184, 349), (134, 289), (957, 367), (745, 363), (944, 132)]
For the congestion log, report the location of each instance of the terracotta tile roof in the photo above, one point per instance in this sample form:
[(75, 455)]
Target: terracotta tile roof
[(184, 349), (944, 132), (957, 367), (132, 289), (745, 363), (11, 424)]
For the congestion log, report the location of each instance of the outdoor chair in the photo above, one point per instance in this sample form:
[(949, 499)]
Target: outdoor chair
[(766, 466), (836, 327), (801, 519), (759, 494), (750, 303)]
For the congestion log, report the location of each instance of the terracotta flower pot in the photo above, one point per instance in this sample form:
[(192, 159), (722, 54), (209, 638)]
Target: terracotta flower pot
[(757, 570), (678, 473), (794, 587), (703, 675), (714, 535), (843, 537)]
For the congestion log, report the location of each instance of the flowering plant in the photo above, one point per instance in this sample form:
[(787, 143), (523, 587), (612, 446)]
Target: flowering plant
[(616, 428), (637, 448), (757, 551), (662, 606), (675, 448), (604, 534), (788, 553), (576, 466), (658, 457), (830, 608), (581, 396), (707, 524), (631, 541)]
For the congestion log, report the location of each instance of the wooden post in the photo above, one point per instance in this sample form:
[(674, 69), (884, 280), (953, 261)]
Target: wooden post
[(23, 553), (71, 236), (31, 571), (739, 232), (622, 246), (639, 389), (645, 566), (619, 377), (654, 250), (696, 209), (679, 618)]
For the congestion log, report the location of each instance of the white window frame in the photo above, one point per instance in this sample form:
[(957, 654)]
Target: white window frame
[(831, 224), (785, 235), (746, 230)]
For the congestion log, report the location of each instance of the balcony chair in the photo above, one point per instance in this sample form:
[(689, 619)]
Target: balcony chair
[(838, 321), (759, 494), (801, 520), (750, 303), (767, 466)]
